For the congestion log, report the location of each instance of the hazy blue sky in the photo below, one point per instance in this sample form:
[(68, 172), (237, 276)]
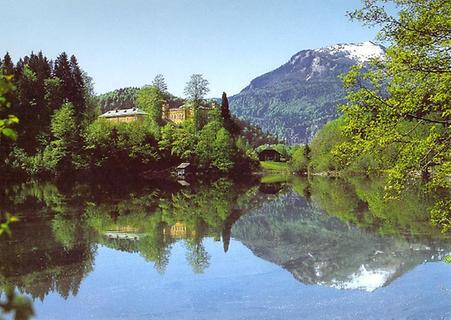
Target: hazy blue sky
[(126, 42)]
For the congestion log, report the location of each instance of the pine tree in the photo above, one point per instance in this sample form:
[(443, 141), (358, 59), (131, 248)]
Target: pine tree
[(225, 112), (62, 70), (7, 66), (77, 95)]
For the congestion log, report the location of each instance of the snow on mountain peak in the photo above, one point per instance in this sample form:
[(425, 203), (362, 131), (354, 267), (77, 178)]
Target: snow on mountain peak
[(360, 52)]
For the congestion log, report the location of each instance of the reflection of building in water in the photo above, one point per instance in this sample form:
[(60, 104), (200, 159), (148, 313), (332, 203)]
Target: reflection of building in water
[(123, 233), (179, 230)]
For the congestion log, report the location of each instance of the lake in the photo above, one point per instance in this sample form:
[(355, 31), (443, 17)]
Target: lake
[(281, 248)]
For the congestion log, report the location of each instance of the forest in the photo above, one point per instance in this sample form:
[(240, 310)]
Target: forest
[(52, 125)]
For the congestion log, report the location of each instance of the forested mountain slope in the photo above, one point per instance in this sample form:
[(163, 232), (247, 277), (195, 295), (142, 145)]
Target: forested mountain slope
[(296, 99)]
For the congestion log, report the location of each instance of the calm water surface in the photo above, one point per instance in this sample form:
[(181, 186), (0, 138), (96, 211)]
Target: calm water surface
[(318, 249)]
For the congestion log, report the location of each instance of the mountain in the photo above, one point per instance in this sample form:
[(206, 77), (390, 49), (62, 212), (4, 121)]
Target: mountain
[(296, 99)]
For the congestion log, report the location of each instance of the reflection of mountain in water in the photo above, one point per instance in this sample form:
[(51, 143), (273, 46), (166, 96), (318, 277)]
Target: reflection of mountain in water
[(319, 249), (53, 246)]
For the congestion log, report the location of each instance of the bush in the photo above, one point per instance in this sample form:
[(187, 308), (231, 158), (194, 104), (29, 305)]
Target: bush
[(299, 159)]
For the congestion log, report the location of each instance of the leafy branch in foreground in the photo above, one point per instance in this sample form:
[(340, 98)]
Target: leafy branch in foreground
[(5, 124), (403, 103), (19, 305), (4, 226)]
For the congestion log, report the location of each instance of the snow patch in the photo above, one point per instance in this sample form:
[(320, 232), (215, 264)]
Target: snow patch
[(363, 279), (361, 52)]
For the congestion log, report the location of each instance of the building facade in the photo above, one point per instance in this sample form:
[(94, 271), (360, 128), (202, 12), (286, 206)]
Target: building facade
[(180, 114), (124, 115)]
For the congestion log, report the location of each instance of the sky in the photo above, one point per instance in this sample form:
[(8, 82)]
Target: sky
[(122, 43)]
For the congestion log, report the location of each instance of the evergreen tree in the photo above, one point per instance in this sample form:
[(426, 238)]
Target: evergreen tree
[(7, 65), (7, 68), (62, 70), (77, 96), (225, 112)]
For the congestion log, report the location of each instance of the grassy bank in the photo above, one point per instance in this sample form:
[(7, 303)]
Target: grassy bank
[(272, 167)]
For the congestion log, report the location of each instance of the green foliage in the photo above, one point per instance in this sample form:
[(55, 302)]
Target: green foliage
[(59, 154), (150, 100), (299, 159), (401, 107), (404, 101), (59, 133), (4, 226), (19, 306), (6, 86), (212, 147), (114, 145), (223, 151), (183, 140), (42, 163), (441, 214), (322, 147), (43, 87), (63, 126), (206, 145)]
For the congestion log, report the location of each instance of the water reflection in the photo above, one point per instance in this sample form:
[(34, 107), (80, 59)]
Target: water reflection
[(345, 247), (328, 232)]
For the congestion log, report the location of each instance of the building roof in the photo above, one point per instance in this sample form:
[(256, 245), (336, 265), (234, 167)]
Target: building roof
[(183, 165), (123, 113)]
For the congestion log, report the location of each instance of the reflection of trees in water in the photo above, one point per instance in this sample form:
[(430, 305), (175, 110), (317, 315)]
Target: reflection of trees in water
[(361, 202), (323, 236), (37, 264), (52, 249), (371, 243), (55, 242), (158, 222), (197, 256)]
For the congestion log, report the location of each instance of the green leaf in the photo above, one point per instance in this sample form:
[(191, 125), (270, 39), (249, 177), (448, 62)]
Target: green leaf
[(10, 133)]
